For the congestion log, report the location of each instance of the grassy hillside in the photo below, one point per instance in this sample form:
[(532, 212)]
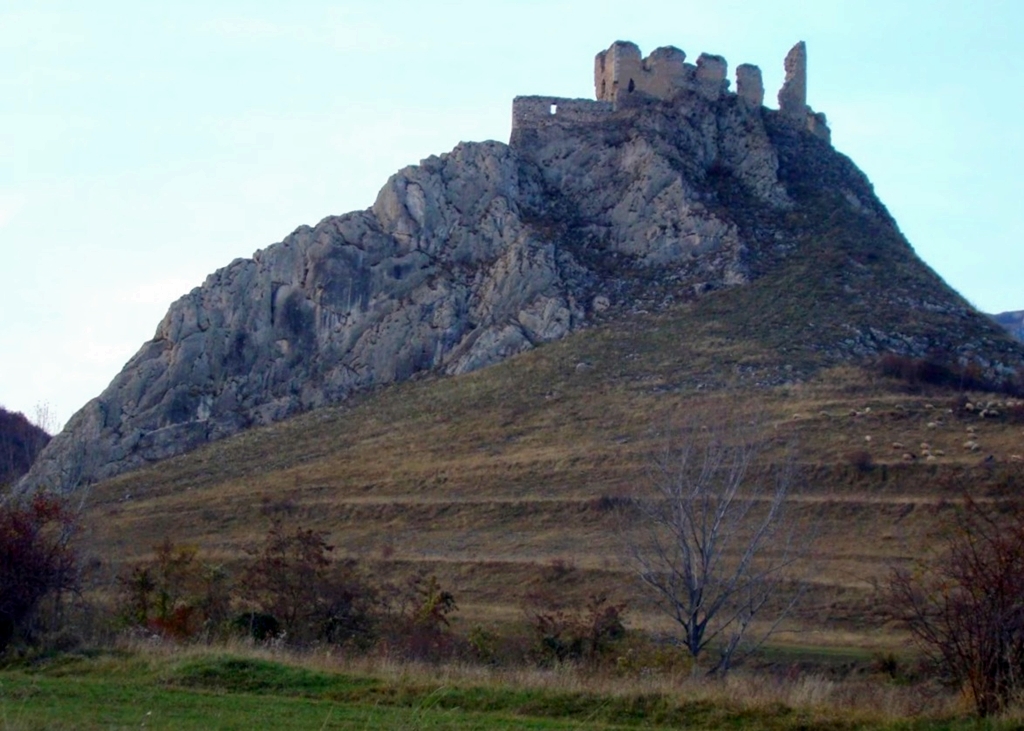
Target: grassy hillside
[(197, 688), (493, 478), (508, 478)]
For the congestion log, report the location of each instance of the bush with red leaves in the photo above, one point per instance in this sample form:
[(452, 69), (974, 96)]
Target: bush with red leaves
[(965, 607), (36, 561)]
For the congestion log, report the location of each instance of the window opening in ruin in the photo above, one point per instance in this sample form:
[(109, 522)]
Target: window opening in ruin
[(603, 87), (632, 86), (554, 109)]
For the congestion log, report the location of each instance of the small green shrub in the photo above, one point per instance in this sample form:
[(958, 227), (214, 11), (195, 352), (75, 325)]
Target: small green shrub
[(639, 655), (176, 595)]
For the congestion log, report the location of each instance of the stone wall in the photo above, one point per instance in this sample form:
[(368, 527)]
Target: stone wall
[(621, 70), (749, 85), (793, 94), (623, 78), (711, 73), (536, 112)]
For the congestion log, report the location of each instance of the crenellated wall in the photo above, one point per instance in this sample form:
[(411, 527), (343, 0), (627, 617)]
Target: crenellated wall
[(623, 78), (621, 70), (749, 85)]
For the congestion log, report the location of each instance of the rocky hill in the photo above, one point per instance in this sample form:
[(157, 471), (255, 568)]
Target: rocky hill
[(21, 441), (646, 202), (1013, 322)]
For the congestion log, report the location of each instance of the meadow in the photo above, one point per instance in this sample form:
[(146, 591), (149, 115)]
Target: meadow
[(154, 685), (510, 481)]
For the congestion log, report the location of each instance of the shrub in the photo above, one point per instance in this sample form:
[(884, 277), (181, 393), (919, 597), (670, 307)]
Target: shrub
[(292, 579), (257, 625), (286, 578), (938, 369), (415, 618), (965, 608), (571, 632), (861, 460), (639, 655), (36, 562), (176, 595), (610, 503)]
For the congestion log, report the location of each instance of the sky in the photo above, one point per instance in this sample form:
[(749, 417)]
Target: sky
[(143, 145)]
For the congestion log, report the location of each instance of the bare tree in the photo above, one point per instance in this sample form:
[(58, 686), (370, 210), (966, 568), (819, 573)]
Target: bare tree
[(45, 419), (714, 539)]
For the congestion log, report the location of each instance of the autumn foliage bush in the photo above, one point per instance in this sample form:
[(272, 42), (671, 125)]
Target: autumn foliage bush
[(37, 563), (965, 606), (292, 579), (289, 589), (568, 629), (176, 594)]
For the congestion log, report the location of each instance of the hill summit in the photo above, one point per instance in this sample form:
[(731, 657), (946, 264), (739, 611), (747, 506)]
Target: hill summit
[(665, 190)]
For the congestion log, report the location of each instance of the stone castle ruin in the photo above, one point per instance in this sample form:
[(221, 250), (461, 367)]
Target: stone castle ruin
[(623, 79)]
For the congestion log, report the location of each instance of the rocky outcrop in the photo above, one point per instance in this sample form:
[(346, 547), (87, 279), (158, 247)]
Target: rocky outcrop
[(467, 259)]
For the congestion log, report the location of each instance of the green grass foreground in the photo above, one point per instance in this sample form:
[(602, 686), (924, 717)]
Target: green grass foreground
[(228, 691)]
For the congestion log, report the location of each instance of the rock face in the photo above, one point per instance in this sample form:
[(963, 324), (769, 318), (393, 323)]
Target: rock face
[(482, 253)]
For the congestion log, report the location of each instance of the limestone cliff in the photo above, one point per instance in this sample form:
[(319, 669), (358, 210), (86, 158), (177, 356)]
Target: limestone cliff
[(493, 249)]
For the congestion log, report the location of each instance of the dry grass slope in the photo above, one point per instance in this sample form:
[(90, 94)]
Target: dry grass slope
[(495, 479)]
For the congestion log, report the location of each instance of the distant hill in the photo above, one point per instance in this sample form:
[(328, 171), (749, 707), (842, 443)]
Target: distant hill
[(1013, 322), (21, 441)]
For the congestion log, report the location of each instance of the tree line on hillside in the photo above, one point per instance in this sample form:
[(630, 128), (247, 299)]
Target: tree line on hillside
[(21, 441), (288, 591)]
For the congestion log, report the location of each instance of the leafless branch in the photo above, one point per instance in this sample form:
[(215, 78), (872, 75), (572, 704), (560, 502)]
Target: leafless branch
[(713, 541)]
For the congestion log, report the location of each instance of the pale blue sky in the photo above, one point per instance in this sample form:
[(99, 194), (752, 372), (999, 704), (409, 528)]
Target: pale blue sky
[(143, 145)]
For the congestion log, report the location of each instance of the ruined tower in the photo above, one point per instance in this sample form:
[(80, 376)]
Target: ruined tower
[(749, 85), (793, 94), (624, 79), (621, 70)]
